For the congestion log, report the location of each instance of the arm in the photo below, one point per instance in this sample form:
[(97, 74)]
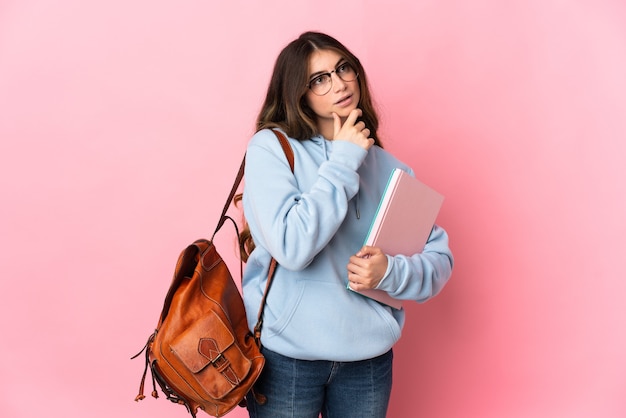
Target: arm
[(418, 277), (294, 225)]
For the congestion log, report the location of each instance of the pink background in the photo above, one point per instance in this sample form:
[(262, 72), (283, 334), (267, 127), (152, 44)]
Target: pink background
[(123, 123)]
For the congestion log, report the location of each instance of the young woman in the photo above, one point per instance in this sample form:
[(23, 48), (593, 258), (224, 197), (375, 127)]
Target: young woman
[(328, 350)]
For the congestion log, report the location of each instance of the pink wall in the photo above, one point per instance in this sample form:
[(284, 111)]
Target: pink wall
[(117, 118)]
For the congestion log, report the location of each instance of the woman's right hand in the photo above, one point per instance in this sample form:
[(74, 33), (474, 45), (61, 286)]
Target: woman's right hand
[(353, 131)]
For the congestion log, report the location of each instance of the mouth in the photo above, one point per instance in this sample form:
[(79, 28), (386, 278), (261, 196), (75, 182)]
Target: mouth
[(344, 100)]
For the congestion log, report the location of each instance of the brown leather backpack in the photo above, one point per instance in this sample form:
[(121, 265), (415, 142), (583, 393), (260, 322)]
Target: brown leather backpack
[(202, 353)]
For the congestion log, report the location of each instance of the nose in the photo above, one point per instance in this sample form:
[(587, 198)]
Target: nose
[(338, 83)]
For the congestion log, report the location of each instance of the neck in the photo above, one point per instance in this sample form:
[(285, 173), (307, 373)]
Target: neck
[(326, 127)]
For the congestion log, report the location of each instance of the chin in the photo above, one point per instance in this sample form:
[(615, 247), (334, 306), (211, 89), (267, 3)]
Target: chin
[(344, 112)]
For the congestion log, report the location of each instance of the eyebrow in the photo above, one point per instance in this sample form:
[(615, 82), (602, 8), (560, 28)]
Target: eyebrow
[(341, 60)]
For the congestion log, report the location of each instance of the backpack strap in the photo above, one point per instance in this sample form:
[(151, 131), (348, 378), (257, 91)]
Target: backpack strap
[(273, 263), (286, 148), (231, 196), (284, 143)]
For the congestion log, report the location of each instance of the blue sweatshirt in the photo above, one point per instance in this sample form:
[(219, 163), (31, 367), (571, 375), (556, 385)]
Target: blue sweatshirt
[(311, 222)]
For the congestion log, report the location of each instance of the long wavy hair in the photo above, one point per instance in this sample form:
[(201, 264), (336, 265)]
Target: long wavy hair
[(285, 106)]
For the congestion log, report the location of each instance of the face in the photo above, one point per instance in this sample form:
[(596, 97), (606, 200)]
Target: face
[(342, 97)]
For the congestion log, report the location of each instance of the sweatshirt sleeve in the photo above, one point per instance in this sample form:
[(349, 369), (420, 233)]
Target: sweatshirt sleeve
[(294, 225), (421, 276)]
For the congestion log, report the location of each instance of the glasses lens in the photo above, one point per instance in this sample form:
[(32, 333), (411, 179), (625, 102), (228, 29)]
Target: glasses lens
[(320, 85), (346, 72)]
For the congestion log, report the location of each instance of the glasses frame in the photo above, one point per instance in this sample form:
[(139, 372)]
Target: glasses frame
[(330, 75)]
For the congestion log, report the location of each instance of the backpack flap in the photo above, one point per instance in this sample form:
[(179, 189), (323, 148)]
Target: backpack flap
[(208, 351)]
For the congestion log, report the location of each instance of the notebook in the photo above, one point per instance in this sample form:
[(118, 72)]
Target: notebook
[(403, 222)]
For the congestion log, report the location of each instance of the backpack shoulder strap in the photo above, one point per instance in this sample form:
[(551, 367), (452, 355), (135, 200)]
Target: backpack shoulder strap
[(289, 154), (284, 143)]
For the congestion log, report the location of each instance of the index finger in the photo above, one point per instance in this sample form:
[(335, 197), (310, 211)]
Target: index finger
[(353, 116)]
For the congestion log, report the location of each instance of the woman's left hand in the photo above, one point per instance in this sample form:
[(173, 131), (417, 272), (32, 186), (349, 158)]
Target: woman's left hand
[(366, 268)]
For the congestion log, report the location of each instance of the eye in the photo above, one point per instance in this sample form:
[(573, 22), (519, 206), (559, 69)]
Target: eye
[(344, 68), (320, 80)]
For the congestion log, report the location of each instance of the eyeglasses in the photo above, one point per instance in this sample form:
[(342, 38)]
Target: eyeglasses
[(321, 84)]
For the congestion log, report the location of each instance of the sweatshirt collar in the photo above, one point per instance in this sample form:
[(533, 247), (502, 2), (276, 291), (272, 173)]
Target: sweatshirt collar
[(318, 139)]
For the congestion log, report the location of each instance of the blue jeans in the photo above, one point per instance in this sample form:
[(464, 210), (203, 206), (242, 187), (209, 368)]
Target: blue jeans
[(304, 389)]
